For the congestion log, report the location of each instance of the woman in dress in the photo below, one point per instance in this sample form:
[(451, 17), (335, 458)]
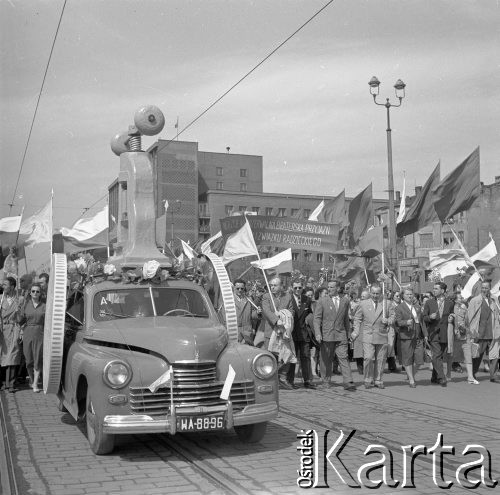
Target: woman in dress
[(10, 334), (33, 319)]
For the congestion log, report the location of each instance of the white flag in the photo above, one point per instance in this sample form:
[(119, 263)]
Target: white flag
[(281, 261), (313, 217), (228, 383), (10, 224), (188, 250), (163, 380), (240, 244), (87, 228), (166, 205), (38, 227), (402, 205), (467, 290), (205, 247)]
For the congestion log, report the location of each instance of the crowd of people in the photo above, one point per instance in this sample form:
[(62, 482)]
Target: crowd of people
[(22, 319), (330, 327)]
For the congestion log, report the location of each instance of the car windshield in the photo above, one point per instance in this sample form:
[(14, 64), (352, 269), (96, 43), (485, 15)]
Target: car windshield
[(140, 302)]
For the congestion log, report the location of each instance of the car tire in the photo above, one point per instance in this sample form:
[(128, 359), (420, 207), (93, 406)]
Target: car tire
[(251, 433), (100, 443)]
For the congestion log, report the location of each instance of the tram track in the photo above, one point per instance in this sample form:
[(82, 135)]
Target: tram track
[(180, 446), (8, 483)]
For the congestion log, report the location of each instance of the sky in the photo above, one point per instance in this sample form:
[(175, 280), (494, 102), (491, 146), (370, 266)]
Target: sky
[(307, 110)]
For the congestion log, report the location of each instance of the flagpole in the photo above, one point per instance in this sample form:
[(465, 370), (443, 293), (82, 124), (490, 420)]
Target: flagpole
[(246, 271), (383, 285), (267, 283)]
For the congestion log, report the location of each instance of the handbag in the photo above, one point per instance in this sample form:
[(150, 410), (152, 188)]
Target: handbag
[(474, 348), (427, 353)]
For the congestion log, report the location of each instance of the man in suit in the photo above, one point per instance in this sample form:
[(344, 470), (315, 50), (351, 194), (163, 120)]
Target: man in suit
[(371, 321), (301, 340), (484, 316), (246, 313), (408, 321), (332, 328), (437, 313), (270, 313)]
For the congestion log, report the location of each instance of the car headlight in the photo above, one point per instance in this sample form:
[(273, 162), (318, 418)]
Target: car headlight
[(264, 366), (117, 374)]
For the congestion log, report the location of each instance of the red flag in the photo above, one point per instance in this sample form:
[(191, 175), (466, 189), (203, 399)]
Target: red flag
[(421, 212), (372, 243), (459, 189), (361, 213)]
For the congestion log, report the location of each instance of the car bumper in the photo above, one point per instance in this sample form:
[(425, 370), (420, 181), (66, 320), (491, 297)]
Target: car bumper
[(135, 423)]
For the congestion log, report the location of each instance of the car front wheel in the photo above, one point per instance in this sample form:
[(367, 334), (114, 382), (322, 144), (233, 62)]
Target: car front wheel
[(251, 433), (100, 443)]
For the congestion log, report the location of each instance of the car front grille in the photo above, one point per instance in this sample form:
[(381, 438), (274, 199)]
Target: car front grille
[(195, 384)]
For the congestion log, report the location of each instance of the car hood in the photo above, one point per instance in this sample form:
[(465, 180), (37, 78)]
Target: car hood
[(174, 337)]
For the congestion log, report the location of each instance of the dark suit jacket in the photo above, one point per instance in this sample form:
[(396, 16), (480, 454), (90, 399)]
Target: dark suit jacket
[(332, 325), (300, 313), (402, 315), (437, 330), (283, 301)]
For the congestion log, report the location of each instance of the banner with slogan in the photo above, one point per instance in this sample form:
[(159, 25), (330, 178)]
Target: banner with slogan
[(286, 232)]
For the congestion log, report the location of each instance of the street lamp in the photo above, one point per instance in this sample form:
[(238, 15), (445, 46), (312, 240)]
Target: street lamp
[(399, 88)]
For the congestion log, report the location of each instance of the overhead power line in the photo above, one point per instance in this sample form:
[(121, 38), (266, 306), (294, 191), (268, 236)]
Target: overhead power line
[(11, 204), (270, 54)]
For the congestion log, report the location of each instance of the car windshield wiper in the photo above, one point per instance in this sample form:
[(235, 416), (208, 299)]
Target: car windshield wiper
[(109, 313)]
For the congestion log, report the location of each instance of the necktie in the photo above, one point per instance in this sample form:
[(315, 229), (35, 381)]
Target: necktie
[(336, 302), (376, 303)]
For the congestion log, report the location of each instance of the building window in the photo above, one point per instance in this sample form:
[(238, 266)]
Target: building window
[(220, 185), (269, 212), (307, 256), (295, 256), (243, 187), (426, 241), (243, 172), (281, 212), (319, 257), (255, 209), (219, 171), (242, 208), (295, 213), (448, 239), (307, 213), (229, 210)]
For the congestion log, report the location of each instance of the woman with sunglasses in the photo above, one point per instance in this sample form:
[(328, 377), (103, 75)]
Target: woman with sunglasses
[(33, 319)]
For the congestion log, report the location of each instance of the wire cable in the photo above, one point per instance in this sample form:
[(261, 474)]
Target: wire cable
[(252, 70), (11, 204)]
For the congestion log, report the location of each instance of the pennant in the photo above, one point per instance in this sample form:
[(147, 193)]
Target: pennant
[(188, 250), (402, 205), (164, 379), (89, 233), (228, 383), (313, 217), (240, 244), (372, 243), (459, 189), (37, 228), (334, 211), (281, 263), (361, 213), (205, 247), (421, 212)]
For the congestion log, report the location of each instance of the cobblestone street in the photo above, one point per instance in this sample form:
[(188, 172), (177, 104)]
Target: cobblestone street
[(50, 453)]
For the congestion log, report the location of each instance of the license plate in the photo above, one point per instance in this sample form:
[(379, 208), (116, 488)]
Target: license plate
[(200, 423)]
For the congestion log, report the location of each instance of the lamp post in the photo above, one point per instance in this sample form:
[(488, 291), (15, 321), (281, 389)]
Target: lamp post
[(399, 88)]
